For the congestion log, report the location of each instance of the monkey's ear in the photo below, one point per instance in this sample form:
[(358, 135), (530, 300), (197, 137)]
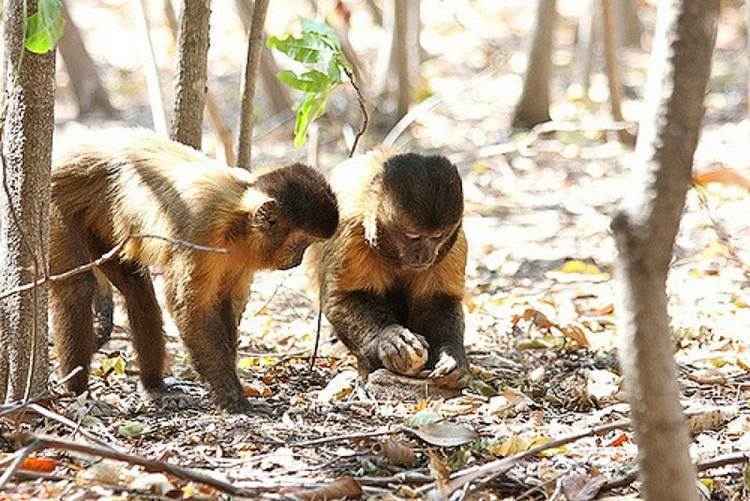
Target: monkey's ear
[(266, 214)]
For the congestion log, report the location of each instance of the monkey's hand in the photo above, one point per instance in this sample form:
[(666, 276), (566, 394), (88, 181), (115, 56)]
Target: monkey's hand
[(171, 394), (402, 351), (449, 372)]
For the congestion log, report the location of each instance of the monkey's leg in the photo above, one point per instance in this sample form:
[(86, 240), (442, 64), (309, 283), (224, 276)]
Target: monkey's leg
[(210, 334), (70, 302), (144, 317), (104, 310), (441, 321), (72, 327), (367, 325)]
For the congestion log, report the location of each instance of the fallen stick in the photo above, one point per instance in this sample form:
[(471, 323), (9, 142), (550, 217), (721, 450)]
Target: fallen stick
[(350, 436), (39, 442), (725, 460), (486, 472)]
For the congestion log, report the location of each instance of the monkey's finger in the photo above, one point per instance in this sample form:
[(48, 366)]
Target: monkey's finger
[(444, 366), (416, 343)]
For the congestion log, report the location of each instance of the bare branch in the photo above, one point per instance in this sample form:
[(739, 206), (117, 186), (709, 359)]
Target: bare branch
[(153, 81)]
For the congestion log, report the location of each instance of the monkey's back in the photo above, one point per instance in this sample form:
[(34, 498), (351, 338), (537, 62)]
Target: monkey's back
[(125, 182)]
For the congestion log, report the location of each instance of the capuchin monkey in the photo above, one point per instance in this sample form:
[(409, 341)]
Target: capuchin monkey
[(392, 277), (127, 183)]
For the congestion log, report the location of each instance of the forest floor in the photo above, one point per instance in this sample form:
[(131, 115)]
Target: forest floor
[(540, 312)]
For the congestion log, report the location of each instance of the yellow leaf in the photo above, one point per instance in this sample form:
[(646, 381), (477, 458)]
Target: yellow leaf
[(718, 362), (508, 447), (743, 361), (577, 266), (248, 363), (739, 302), (710, 483)]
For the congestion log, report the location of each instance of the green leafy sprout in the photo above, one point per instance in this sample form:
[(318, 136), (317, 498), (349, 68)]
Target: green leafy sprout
[(45, 28), (324, 67)]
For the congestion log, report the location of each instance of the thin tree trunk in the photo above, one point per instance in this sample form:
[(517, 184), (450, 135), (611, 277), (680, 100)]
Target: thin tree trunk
[(89, 91), (27, 147), (645, 230), (277, 95), (533, 108), (214, 116), (190, 86), (254, 48), (586, 45), (628, 23), (153, 81), (403, 56), (375, 12), (609, 31)]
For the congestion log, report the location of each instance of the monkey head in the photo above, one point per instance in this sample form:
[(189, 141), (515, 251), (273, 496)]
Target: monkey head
[(420, 210), (288, 209)]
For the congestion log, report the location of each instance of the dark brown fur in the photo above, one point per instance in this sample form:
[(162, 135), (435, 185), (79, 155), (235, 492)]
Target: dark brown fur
[(395, 301), (131, 182)]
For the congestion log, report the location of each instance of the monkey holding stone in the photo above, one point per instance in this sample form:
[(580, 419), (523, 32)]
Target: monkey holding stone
[(392, 277), (130, 182)]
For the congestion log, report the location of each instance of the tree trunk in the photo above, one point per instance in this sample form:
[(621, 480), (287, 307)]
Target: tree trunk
[(533, 108), (645, 230), (153, 81), (89, 91), (612, 65), (628, 23), (588, 27), (190, 86), (403, 54), (254, 48), (26, 147), (276, 93)]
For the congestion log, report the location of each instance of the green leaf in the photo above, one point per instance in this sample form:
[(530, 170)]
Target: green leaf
[(310, 81), (325, 32), (309, 109), (131, 429), (45, 27), (307, 49)]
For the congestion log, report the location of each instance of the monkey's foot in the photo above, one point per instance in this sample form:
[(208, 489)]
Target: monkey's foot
[(248, 407), (402, 351), (383, 384), (171, 395)]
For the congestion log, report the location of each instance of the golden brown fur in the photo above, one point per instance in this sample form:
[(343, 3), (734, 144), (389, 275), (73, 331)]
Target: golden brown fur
[(371, 295), (130, 183)]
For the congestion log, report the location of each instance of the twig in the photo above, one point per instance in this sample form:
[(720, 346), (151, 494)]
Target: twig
[(362, 108), (346, 436), (109, 255), (486, 472), (49, 442), (405, 477), (717, 462), (43, 411), (20, 455)]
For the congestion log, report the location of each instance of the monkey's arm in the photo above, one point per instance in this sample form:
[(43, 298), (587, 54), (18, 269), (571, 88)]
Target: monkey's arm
[(367, 325), (440, 319)]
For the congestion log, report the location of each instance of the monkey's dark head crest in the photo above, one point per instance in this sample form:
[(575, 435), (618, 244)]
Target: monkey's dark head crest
[(305, 196), (428, 188)]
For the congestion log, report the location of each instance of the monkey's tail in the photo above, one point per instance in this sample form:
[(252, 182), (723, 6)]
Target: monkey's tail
[(103, 309)]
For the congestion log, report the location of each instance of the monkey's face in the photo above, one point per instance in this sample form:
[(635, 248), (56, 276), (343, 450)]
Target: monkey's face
[(289, 254), (416, 249)]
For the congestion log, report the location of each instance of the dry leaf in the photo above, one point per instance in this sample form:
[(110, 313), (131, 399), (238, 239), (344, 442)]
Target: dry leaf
[(723, 175), (341, 488), (39, 464), (578, 266), (399, 453), (538, 318), (508, 447), (577, 335), (582, 487), (708, 376), (712, 419), (619, 440), (440, 471), (158, 483), (256, 390), (445, 434), (338, 388)]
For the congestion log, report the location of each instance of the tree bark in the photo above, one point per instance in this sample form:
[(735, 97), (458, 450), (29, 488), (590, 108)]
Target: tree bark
[(645, 229), (405, 52), (190, 86), (533, 108), (89, 91), (586, 45), (254, 48), (26, 145)]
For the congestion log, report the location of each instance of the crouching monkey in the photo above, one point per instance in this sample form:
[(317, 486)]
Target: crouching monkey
[(392, 277), (126, 183)]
